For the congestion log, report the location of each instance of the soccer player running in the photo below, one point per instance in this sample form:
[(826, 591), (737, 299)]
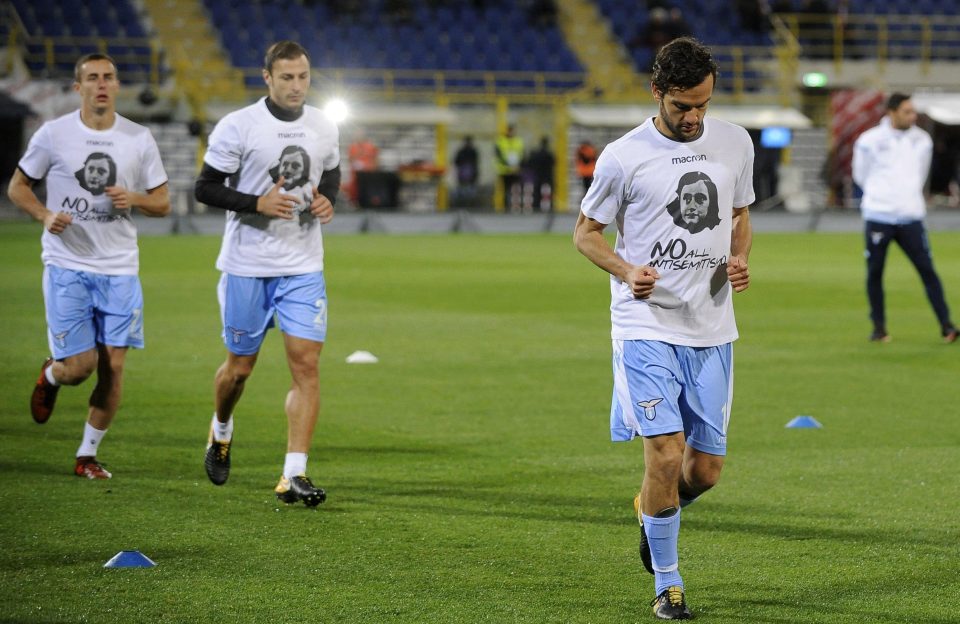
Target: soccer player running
[(98, 166), (671, 288), (890, 163), (282, 157)]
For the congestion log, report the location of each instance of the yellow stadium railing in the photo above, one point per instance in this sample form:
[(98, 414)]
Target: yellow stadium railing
[(921, 39)]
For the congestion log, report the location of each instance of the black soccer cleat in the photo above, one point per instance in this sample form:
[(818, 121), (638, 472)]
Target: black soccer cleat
[(671, 605), (879, 335), (299, 488), (44, 395), (645, 558), (217, 461)]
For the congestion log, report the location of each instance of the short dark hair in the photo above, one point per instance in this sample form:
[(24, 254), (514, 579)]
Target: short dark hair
[(895, 100), (682, 64), (289, 50), (93, 56)]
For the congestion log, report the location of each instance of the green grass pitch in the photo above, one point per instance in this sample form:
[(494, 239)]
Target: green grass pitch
[(470, 474)]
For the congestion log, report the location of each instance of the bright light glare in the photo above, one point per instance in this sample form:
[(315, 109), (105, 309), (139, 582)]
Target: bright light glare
[(336, 110), (815, 80)]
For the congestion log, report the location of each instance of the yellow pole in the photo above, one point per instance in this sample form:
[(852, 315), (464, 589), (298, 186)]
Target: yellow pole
[(561, 126), (499, 204), (441, 158)]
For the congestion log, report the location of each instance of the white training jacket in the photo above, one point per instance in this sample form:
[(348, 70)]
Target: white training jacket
[(891, 166)]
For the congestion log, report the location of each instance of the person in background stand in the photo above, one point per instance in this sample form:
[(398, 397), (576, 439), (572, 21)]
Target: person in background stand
[(542, 162), (586, 161), (891, 163), (467, 163), (508, 151), (363, 156)]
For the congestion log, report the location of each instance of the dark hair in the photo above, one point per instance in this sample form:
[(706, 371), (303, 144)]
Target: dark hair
[(93, 56), (289, 50), (895, 100), (682, 64)]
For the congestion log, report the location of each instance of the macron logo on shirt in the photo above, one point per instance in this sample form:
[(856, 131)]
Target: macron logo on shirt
[(680, 160)]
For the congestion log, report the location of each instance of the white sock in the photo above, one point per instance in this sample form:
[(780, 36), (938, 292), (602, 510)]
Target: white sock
[(90, 442), (295, 465), (222, 432), (48, 373)]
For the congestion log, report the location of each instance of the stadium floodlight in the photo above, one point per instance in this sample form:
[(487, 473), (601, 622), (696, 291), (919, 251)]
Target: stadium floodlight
[(815, 80), (336, 110)]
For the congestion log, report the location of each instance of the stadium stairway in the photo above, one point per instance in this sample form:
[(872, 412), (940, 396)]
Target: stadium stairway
[(201, 68), (608, 66)]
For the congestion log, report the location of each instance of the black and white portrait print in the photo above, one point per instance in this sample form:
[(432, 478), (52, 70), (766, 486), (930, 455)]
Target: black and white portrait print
[(294, 166), (98, 172), (696, 207)]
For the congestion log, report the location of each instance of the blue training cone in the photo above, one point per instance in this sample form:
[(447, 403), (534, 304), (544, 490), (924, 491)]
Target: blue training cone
[(804, 422), (129, 559)]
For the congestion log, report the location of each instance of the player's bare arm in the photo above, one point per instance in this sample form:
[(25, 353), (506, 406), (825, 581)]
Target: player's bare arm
[(20, 192), (321, 207), (589, 240), (153, 203), (740, 243), (275, 203)]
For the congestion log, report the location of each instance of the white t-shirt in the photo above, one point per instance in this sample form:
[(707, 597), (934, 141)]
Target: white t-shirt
[(673, 203), (78, 164), (257, 148)]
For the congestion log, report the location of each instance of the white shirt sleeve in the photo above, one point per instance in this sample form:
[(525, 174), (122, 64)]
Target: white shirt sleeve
[(225, 147), (333, 158), (36, 160), (743, 194), (861, 162), (606, 195), (152, 173), (925, 158)]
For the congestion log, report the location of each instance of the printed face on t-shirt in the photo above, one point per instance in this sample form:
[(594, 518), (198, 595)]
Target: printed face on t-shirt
[(98, 172), (694, 201), (291, 166), (695, 206)]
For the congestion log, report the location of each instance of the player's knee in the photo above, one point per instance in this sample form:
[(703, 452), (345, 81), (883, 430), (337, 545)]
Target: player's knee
[(239, 374), (238, 368), (77, 369), (705, 478)]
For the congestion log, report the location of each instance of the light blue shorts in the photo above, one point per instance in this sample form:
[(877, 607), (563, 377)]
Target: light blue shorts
[(661, 388), (84, 309), (248, 306)]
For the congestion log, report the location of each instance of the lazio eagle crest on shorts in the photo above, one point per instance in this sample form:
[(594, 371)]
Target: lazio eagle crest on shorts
[(649, 408)]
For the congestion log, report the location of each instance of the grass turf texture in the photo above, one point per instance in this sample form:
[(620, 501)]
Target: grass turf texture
[(469, 473)]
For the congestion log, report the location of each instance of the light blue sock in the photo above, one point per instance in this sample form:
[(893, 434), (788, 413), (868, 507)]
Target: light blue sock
[(662, 534)]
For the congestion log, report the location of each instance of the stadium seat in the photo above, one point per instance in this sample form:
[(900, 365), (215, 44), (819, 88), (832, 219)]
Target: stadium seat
[(444, 36)]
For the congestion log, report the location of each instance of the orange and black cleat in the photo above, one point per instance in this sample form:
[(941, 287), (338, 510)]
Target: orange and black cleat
[(44, 396), (90, 468)]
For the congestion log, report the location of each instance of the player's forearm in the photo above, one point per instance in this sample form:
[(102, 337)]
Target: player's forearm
[(741, 240), (592, 244), (153, 203), (210, 190), (21, 194), (330, 184)]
